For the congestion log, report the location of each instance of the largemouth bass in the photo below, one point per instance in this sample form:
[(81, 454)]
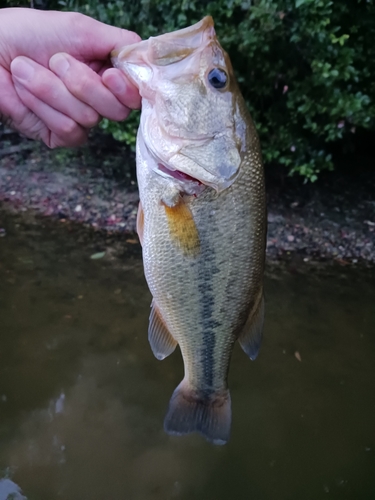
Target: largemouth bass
[(202, 217)]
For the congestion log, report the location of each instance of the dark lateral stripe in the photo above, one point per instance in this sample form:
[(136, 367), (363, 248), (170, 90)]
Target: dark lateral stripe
[(207, 271)]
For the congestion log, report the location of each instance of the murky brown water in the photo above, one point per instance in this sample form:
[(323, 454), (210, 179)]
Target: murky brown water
[(82, 399)]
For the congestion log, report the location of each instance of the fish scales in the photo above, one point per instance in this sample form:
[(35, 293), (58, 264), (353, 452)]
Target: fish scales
[(216, 283), (203, 251)]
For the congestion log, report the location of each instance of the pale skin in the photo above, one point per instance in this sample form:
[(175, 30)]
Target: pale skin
[(56, 80)]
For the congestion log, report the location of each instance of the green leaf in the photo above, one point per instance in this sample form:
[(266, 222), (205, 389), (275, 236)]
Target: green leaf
[(301, 2), (302, 66)]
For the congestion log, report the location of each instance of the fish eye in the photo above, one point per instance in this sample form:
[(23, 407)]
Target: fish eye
[(217, 78)]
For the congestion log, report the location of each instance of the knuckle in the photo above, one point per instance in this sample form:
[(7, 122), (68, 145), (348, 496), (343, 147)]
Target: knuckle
[(80, 87), (79, 139), (59, 140), (117, 113), (134, 37), (31, 125), (90, 118), (68, 128), (42, 88), (122, 114), (76, 21)]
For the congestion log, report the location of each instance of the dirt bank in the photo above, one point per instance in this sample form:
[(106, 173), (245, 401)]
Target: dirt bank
[(95, 186)]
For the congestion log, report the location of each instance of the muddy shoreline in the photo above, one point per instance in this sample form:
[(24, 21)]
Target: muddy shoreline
[(95, 186)]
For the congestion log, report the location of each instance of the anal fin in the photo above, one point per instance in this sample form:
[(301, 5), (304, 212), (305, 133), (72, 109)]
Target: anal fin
[(161, 341), (251, 335)]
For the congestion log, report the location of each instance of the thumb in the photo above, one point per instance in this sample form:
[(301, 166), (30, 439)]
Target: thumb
[(97, 40)]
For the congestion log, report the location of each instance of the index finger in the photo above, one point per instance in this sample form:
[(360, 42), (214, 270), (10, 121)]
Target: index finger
[(87, 86), (120, 86)]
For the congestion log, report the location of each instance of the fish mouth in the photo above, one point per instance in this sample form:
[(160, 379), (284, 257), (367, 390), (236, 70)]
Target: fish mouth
[(192, 177), (170, 47), (187, 184)]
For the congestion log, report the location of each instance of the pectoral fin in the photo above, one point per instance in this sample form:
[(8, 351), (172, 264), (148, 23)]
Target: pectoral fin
[(161, 341), (251, 335), (140, 222)]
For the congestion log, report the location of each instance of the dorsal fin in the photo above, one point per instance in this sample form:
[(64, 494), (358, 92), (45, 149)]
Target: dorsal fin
[(161, 341), (251, 336)]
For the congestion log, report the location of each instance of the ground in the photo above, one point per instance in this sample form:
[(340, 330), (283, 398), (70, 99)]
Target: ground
[(332, 220)]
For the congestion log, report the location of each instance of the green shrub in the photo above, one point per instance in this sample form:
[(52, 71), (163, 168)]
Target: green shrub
[(306, 67)]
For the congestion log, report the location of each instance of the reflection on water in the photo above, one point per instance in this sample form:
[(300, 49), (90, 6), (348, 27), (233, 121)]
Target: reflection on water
[(9, 490), (82, 399)]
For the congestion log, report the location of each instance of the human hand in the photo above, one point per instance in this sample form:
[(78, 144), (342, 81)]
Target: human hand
[(54, 78)]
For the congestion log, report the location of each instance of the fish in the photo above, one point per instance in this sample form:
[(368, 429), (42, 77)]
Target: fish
[(201, 218)]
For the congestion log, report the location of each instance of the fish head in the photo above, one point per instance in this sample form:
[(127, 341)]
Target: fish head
[(189, 121)]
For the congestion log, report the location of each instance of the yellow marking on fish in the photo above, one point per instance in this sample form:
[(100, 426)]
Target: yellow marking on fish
[(140, 222), (182, 228)]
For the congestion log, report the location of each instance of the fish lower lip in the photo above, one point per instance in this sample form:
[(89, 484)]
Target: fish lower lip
[(180, 176)]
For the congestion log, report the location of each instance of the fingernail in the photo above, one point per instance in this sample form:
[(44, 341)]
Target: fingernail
[(59, 64), (117, 85), (22, 70)]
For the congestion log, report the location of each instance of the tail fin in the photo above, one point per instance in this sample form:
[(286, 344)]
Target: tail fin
[(191, 411)]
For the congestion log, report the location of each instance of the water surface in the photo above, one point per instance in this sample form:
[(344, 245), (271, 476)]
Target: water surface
[(82, 399)]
